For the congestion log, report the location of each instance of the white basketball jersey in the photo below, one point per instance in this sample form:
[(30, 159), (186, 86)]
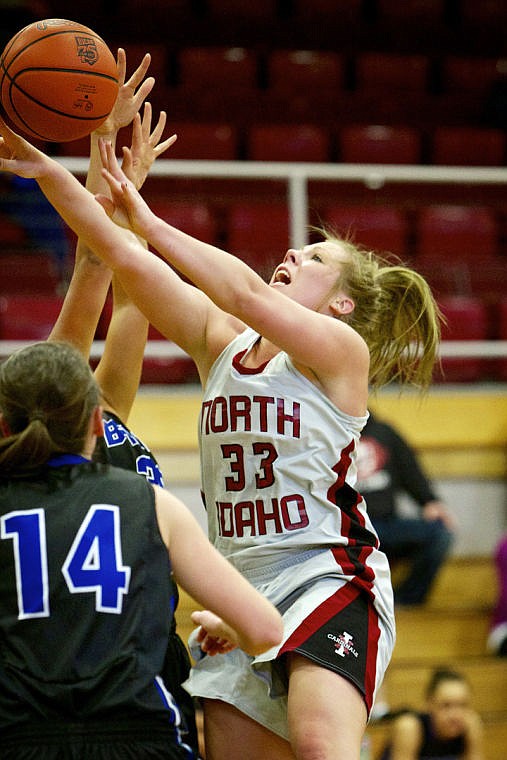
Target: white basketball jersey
[(278, 464), (278, 474)]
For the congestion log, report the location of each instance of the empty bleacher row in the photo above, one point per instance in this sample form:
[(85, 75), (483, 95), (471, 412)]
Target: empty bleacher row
[(31, 316), (461, 237), (412, 24), (408, 102), (451, 145), (460, 249), (331, 81)]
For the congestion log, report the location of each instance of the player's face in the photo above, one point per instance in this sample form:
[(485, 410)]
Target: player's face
[(449, 707), (310, 275)]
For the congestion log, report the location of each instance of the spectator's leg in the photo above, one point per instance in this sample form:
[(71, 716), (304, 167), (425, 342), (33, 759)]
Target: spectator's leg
[(425, 543)]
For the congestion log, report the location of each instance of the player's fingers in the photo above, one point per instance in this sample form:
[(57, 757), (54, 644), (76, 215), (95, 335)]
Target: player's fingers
[(146, 121), (159, 149), (143, 92), (121, 65), (159, 128), (140, 72)]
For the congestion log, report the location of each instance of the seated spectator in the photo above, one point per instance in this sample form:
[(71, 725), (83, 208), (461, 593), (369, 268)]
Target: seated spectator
[(388, 466), (449, 729), (497, 639)]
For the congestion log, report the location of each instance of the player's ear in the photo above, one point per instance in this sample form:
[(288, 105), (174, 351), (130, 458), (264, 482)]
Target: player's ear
[(342, 305), (97, 423)]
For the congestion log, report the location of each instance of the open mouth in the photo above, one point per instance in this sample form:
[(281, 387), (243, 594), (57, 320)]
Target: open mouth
[(282, 277)]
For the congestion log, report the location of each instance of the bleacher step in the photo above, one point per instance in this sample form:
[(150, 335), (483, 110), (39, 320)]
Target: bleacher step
[(425, 634), (465, 582), (405, 684)]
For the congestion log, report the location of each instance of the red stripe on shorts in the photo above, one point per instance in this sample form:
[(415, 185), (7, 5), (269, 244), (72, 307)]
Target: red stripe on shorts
[(320, 615)]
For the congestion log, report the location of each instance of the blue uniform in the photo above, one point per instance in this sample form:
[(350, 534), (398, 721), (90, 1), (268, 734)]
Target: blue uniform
[(85, 589), (121, 448)]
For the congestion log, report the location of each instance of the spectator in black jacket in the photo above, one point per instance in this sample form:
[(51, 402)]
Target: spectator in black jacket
[(388, 466)]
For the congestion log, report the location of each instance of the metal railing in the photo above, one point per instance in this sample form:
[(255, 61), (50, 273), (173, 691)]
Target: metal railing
[(297, 177)]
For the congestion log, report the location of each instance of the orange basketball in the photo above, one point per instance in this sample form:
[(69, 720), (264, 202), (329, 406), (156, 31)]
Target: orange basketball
[(58, 80)]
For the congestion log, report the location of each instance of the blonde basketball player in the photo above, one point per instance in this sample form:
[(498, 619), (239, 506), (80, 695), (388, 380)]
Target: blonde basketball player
[(286, 369)]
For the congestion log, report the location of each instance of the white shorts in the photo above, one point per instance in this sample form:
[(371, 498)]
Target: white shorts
[(327, 618)]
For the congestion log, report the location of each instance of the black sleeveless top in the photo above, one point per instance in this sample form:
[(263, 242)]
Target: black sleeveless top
[(85, 590), (122, 448), (434, 748)]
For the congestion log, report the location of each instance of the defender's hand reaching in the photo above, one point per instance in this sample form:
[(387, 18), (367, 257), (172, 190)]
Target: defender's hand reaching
[(20, 157)]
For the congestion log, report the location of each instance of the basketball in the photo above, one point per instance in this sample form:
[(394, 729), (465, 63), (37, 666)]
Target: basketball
[(58, 80)]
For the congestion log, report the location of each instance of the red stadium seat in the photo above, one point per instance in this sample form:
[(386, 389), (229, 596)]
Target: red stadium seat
[(159, 65), (12, 233), (211, 141), (468, 146), (216, 84), (410, 11), (287, 142), (144, 21), (322, 11), (502, 335), (28, 272), (28, 317), (392, 71), (296, 71), (470, 74), (457, 232), (379, 144), (81, 146), (174, 368), (483, 12), (78, 148), (484, 276), (168, 370), (201, 68), (260, 10), (303, 85), (381, 228), (258, 233), (195, 219), (467, 319)]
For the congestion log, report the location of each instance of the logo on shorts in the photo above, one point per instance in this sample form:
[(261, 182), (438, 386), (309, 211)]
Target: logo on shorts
[(87, 50), (343, 644)]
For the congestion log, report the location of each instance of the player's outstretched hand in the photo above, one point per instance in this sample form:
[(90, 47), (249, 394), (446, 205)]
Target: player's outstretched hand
[(126, 207), (146, 146), (131, 95), (20, 157)]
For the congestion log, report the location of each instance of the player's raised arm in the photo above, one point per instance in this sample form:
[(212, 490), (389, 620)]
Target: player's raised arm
[(91, 278), (148, 280)]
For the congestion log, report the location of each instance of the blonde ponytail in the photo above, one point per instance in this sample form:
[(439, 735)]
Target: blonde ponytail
[(404, 348), (396, 314)]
